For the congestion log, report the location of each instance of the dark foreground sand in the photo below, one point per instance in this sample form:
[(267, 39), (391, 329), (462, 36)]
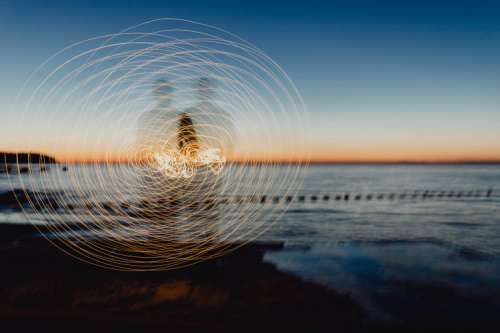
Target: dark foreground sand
[(43, 289)]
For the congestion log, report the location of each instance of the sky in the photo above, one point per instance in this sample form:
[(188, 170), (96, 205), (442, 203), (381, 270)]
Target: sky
[(382, 80)]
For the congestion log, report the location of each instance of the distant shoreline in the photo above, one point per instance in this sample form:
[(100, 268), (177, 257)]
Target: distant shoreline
[(410, 163), (444, 163), (26, 158), (33, 158)]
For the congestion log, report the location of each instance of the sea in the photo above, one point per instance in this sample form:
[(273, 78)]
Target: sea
[(413, 244)]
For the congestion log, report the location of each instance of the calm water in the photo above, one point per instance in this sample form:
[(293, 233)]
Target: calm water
[(420, 262), (406, 260)]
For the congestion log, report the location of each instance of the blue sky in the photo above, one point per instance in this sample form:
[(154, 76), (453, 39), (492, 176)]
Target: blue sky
[(397, 79)]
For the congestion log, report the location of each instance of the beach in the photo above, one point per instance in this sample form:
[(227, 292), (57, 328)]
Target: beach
[(43, 288)]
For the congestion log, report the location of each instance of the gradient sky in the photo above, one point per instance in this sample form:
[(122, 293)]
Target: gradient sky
[(383, 80)]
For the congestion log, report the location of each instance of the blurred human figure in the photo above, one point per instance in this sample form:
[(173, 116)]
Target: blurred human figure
[(214, 125), (156, 128), (214, 136), (183, 152), (187, 139), (156, 134)]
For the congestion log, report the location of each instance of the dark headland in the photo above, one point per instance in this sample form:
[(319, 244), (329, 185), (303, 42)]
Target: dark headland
[(25, 158)]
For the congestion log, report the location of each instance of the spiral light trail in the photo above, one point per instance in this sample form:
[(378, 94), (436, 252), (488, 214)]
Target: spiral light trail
[(172, 117)]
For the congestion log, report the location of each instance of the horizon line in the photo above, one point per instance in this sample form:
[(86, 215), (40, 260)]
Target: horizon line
[(456, 161)]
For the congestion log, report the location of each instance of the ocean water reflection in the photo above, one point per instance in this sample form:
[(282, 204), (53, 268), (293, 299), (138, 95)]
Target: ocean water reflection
[(421, 283)]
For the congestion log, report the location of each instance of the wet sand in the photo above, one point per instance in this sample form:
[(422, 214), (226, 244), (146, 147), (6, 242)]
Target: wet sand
[(43, 288)]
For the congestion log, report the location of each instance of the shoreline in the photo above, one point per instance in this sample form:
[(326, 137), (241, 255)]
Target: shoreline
[(43, 287)]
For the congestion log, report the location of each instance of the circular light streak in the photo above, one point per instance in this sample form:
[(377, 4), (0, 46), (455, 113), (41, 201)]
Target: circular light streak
[(173, 119)]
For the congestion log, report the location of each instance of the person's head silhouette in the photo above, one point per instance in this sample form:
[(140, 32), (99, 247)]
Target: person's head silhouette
[(205, 88), (163, 91)]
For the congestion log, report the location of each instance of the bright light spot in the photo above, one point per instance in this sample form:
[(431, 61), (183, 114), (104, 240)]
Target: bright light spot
[(176, 165)]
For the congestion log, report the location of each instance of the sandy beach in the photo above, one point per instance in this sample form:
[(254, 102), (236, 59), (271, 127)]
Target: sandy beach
[(42, 287)]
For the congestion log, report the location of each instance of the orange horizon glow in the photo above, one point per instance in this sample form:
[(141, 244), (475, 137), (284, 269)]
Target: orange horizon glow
[(334, 157)]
